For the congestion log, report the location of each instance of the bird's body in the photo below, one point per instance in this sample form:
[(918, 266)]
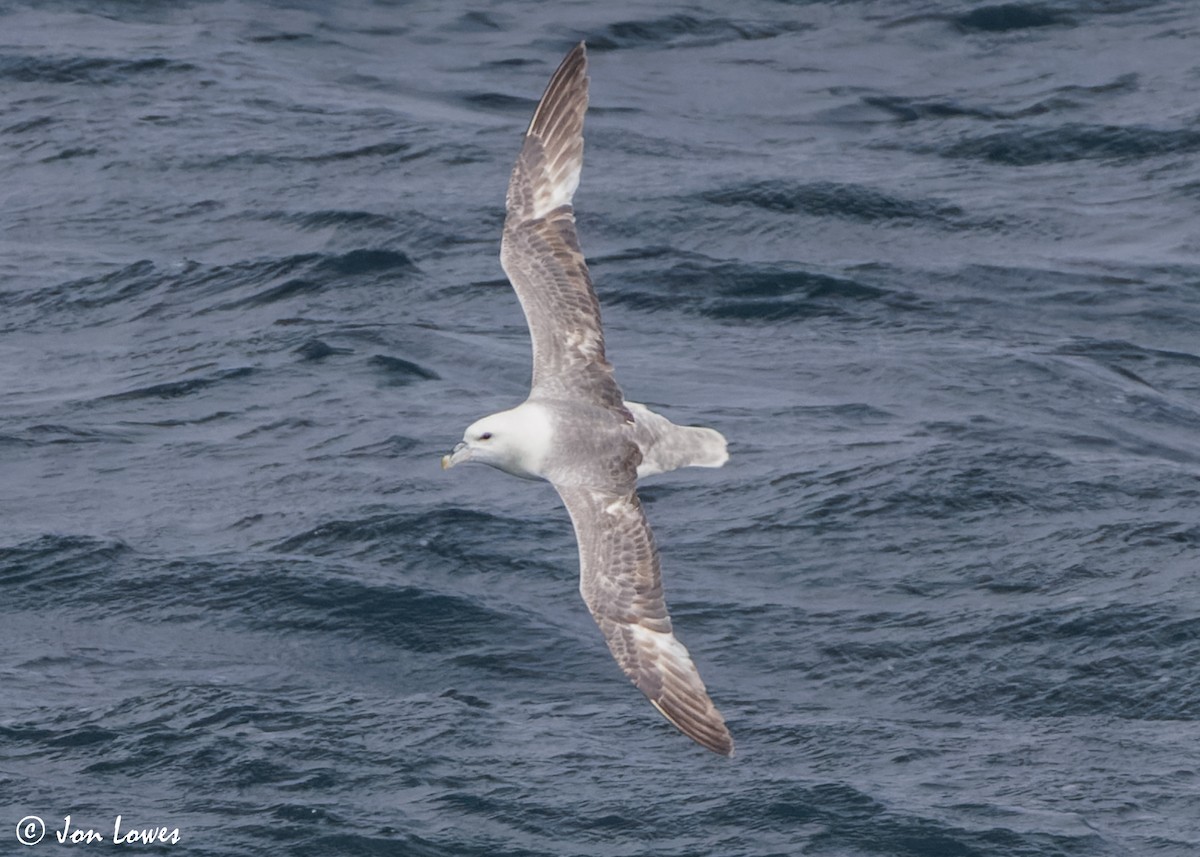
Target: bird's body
[(577, 431)]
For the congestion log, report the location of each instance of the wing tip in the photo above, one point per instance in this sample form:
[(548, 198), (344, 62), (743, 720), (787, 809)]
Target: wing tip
[(711, 733), (568, 79), (547, 171)]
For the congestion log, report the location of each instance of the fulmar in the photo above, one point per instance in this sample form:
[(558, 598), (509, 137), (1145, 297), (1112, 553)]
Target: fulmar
[(577, 431)]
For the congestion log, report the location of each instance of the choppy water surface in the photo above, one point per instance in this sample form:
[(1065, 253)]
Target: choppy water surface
[(932, 267)]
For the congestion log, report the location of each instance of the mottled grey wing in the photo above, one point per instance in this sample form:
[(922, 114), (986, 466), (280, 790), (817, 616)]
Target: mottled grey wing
[(621, 582), (540, 251)]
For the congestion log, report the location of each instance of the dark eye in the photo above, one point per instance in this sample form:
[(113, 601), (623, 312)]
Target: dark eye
[(487, 435)]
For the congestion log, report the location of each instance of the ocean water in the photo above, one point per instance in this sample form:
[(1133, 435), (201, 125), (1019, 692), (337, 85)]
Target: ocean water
[(932, 266)]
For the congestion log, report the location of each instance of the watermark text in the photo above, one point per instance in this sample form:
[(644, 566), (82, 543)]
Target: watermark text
[(32, 829)]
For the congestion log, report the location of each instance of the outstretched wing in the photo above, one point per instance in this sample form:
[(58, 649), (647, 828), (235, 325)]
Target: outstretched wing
[(621, 582), (540, 251)]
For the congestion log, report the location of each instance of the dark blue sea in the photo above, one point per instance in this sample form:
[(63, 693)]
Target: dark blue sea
[(932, 266)]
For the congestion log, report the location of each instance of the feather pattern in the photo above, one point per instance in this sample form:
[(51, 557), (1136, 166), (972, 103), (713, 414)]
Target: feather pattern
[(540, 249), (621, 583)]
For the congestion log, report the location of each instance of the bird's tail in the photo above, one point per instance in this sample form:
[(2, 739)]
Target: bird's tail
[(666, 446)]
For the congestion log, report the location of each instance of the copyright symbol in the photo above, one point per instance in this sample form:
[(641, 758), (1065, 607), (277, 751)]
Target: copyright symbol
[(30, 830)]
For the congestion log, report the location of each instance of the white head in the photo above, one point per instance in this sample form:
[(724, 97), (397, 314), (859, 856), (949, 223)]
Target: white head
[(515, 441)]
